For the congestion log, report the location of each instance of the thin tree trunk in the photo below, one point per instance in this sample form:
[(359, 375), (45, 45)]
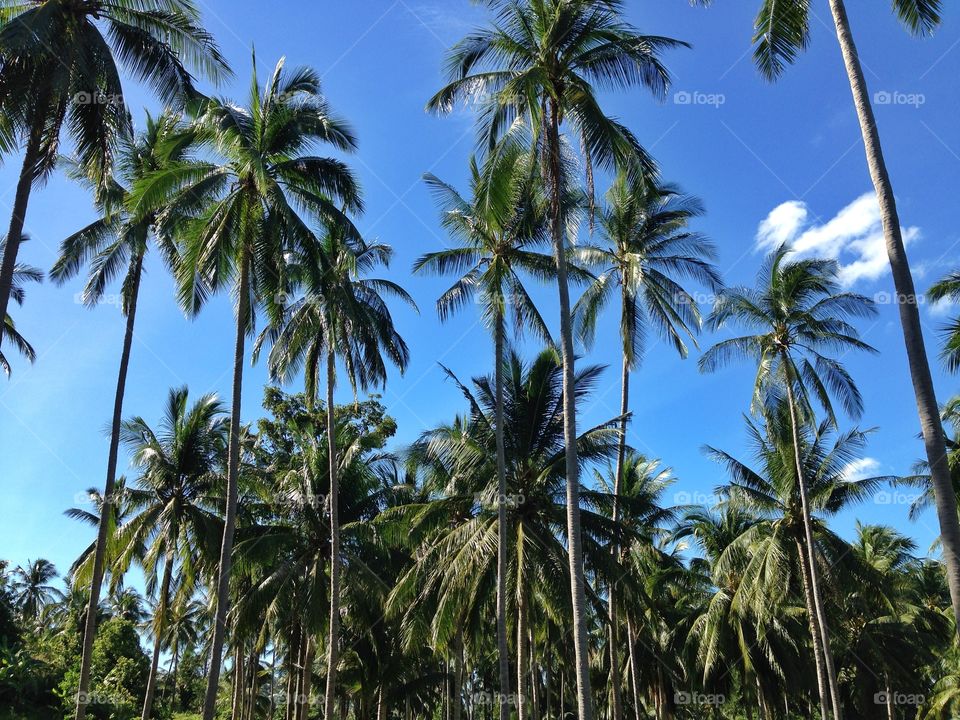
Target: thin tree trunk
[(306, 684), (534, 673), (615, 692), (236, 708), (502, 537), (521, 647), (634, 671), (28, 174), (458, 679), (230, 519), (575, 550), (333, 636), (814, 631), (812, 555), (158, 632), (933, 439), (109, 489), (381, 704)]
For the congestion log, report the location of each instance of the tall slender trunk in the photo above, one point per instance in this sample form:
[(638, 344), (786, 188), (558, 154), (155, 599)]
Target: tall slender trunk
[(230, 518), (502, 538), (812, 557), (306, 683), (933, 440), (236, 709), (158, 625), (458, 678), (634, 671), (333, 636), (575, 550), (381, 704), (615, 692), (814, 631), (521, 648), (109, 489), (28, 175)]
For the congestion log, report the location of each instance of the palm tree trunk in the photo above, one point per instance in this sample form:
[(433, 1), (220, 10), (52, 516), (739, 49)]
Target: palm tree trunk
[(306, 682), (933, 440), (230, 518), (634, 671), (236, 709), (814, 630), (615, 693), (521, 649), (458, 678), (575, 550), (103, 528), (502, 538), (158, 632), (812, 556), (28, 174), (333, 636)]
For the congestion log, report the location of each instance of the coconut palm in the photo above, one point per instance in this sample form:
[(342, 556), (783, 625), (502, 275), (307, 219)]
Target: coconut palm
[(236, 217), (127, 604), (116, 244), (536, 64), (172, 519), (21, 274), (498, 230), (782, 33), (948, 288), (31, 587), (341, 315), (798, 313), (60, 66), (649, 249)]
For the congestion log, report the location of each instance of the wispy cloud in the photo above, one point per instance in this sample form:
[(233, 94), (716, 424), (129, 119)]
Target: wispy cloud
[(861, 469), (854, 236)]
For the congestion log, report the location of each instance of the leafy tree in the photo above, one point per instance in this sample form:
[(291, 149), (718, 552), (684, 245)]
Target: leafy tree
[(21, 274)]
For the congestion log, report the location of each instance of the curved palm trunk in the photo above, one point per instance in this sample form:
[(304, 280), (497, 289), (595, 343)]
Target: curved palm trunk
[(306, 682), (103, 527), (634, 671), (814, 630), (812, 561), (616, 704), (158, 631), (333, 636), (28, 173), (575, 549), (933, 440), (502, 540), (230, 518)]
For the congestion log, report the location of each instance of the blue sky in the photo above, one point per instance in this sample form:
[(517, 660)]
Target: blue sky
[(770, 162)]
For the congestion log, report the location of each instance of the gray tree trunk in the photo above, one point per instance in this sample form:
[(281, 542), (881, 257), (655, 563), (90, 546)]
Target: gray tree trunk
[(333, 636), (230, 517), (933, 440), (615, 692), (109, 489), (812, 559), (158, 639), (575, 549), (503, 650)]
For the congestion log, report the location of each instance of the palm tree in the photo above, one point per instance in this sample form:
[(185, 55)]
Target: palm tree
[(32, 590), (341, 315), (788, 539), (59, 68), (21, 274), (782, 32), (649, 247), (498, 230), (537, 63), (798, 313), (114, 244), (127, 604), (948, 288), (236, 218), (172, 516)]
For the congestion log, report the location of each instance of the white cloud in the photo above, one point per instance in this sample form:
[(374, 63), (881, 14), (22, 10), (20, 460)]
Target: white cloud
[(854, 237), (861, 469)]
